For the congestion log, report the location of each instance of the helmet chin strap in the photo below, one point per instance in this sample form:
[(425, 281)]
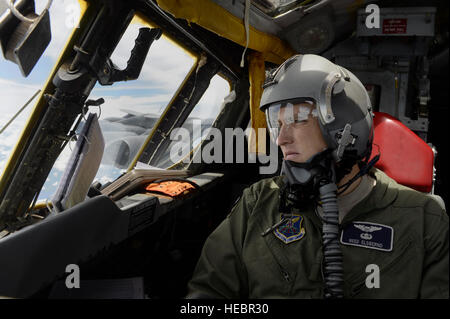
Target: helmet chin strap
[(364, 169), (304, 184)]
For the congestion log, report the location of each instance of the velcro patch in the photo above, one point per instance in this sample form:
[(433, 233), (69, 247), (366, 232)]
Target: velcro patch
[(368, 235), (291, 230)]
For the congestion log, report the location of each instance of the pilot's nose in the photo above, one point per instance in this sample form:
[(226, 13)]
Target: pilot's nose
[(285, 136)]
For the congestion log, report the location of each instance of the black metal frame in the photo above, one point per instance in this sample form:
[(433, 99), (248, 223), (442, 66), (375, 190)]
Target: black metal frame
[(106, 21), (73, 84)]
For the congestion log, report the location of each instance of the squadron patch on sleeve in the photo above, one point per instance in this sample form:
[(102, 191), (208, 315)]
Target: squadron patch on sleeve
[(291, 230), (368, 235)]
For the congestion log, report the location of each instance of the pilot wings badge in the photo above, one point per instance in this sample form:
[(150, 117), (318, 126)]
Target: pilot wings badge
[(367, 230), (291, 230)]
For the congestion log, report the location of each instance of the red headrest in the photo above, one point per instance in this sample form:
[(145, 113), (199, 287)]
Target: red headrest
[(405, 157)]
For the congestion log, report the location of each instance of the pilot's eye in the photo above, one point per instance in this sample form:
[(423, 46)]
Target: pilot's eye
[(302, 114), (301, 121)]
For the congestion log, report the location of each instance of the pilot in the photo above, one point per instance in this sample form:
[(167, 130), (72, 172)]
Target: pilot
[(331, 225)]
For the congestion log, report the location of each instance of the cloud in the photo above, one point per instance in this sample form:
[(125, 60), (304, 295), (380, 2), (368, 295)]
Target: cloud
[(9, 84), (63, 13), (13, 96), (212, 99), (165, 66)]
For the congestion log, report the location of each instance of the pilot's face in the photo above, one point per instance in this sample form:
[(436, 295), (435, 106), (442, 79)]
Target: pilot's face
[(299, 136)]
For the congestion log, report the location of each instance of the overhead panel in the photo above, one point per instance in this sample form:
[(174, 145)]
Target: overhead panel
[(215, 18)]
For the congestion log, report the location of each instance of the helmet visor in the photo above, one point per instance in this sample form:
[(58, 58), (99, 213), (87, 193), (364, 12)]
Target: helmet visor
[(288, 114)]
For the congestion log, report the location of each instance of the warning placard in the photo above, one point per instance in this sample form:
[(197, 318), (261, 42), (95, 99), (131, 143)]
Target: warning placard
[(394, 26)]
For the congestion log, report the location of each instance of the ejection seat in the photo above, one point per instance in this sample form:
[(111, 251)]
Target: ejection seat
[(404, 156)]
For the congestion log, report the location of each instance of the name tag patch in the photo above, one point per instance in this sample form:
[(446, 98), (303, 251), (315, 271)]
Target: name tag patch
[(368, 235)]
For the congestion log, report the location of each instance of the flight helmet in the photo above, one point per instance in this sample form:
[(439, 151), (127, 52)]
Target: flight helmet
[(342, 104)]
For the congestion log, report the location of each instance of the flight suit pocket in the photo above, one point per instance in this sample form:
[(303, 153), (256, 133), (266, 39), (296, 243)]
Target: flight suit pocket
[(267, 277), (383, 277)]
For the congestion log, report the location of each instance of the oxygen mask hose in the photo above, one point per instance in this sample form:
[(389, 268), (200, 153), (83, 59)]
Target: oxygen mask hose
[(333, 260)]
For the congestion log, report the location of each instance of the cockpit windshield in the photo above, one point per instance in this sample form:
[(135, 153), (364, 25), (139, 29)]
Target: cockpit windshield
[(131, 109)]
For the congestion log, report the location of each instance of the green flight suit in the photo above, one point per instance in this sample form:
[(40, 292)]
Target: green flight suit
[(238, 262)]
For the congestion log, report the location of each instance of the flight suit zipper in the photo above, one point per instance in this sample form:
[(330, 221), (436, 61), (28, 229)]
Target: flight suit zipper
[(286, 275)]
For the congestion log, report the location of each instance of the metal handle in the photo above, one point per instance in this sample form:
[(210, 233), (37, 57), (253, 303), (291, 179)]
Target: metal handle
[(20, 16)]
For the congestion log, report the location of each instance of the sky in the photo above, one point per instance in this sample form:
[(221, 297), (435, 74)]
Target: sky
[(164, 69)]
